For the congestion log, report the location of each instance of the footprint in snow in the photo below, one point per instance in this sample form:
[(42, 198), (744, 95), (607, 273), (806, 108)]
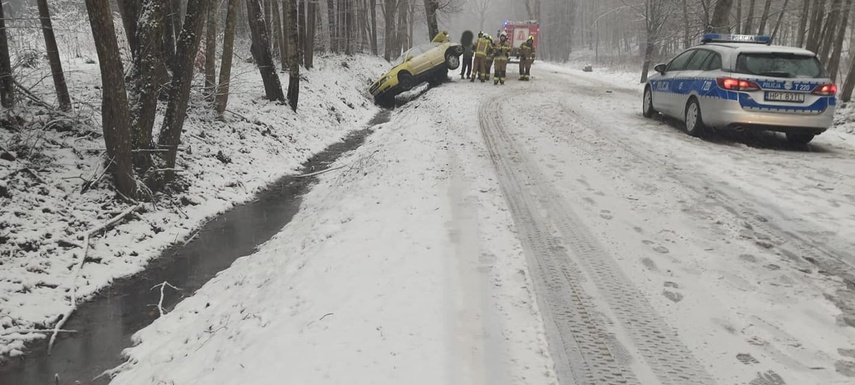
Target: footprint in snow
[(768, 378), (746, 359), (606, 214)]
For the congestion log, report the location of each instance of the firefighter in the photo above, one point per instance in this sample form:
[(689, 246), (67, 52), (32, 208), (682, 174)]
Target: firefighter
[(526, 58), (490, 57), (501, 54), (481, 48)]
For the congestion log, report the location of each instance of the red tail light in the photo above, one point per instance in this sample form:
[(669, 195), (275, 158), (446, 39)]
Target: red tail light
[(732, 84), (825, 90)]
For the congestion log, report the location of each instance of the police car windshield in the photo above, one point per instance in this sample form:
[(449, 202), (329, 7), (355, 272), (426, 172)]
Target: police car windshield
[(779, 65)]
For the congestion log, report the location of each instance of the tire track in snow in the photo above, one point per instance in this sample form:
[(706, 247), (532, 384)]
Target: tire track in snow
[(585, 352)]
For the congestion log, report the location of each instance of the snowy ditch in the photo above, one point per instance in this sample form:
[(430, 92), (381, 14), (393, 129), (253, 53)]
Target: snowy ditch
[(226, 163), (106, 323)]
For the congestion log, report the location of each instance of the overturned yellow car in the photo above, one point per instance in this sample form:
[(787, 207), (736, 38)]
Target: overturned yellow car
[(427, 62)]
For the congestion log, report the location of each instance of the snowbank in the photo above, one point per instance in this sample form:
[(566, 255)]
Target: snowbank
[(223, 163)]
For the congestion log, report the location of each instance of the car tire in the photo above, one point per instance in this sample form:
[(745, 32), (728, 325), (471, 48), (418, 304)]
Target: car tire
[(800, 137), (406, 81), (647, 104), (693, 118), (452, 61)]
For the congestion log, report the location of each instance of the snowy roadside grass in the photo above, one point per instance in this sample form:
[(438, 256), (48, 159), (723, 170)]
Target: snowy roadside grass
[(43, 170)]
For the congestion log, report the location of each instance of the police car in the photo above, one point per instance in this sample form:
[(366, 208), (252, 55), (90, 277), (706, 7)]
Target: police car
[(742, 82)]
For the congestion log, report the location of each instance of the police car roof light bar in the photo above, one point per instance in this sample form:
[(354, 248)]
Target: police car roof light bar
[(733, 38)]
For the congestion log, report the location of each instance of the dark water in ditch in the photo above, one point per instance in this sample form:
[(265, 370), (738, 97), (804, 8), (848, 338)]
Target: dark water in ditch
[(106, 322)]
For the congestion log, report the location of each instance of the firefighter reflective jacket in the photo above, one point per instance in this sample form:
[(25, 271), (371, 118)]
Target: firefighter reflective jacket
[(527, 50), (502, 51), (482, 47)]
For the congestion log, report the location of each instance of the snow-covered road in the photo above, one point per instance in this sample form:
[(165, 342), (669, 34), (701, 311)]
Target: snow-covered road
[(539, 233)]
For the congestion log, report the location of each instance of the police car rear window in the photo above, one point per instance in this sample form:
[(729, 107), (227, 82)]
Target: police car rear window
[(779, 64)]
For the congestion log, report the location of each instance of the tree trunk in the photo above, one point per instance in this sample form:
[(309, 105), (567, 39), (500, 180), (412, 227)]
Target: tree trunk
[(311, 26), (228, 52), (780, 19), (373, 37), (834, 63), (738, 16), (130, 12), (749, 19), (403, 10), (831, 31), (182, 77), (146, 77), (293, 63), (7, 84), (686, 42), (211, 51), (333, 26), (803, 23), (431, 7), (390, 7), (816, 25), (278, 43), (283, 38), (115, 117), (261, 51), (721, 16), (301, 32), (169, 36), (761, 30), (53, 57)]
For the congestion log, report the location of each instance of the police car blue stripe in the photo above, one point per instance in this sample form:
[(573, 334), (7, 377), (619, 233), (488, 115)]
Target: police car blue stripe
[(708, 88)]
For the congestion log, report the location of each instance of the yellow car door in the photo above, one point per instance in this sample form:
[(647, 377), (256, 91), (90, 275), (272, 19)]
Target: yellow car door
[(421, 61)]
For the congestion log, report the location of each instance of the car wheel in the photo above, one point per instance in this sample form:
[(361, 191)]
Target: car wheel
[(800, 137), (694, 120), (405, 80), (452, 61), (647, 105)]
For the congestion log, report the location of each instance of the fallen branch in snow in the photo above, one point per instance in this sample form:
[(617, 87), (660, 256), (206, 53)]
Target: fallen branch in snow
[(160, 303), (29, 94), (29, 171), (79, 266), (14, 331), (325, 316), (319, 172)]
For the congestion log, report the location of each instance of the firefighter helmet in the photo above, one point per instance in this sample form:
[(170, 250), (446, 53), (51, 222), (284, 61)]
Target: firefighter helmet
[(504, 34), (530, 38)]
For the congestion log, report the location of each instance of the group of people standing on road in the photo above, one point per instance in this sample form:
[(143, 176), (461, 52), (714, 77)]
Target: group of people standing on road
[(486, 52)]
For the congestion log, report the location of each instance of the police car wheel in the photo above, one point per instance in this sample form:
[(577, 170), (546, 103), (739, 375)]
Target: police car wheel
[(694, 120), (405, 80), (647, 108), (800, 137), (452, 61)]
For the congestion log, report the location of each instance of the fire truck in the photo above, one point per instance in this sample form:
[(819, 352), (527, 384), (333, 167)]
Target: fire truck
[(518, 33)]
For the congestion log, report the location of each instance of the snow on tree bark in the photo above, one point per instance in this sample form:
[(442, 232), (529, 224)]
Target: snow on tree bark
[(311, 27), (431, 7), (261, 52), (182, 77), (147, 74), (114, 101)]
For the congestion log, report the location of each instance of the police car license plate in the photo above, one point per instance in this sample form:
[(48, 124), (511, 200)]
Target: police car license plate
[(790, 97)]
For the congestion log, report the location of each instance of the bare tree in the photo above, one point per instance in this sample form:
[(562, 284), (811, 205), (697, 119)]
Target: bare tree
[(261, 51), (749, 19), (228, 52), (480, 8), (817, 15), (834, 62), (7, 91), (721, 15), (211, 51), (293, 63), (115, 119), (147, 74), (390, 7), (373, 34), (655, 13), (431, 6), (176, 109), (53, 57), (129, 10), (764, 18), (803, 23), (311, 26)]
